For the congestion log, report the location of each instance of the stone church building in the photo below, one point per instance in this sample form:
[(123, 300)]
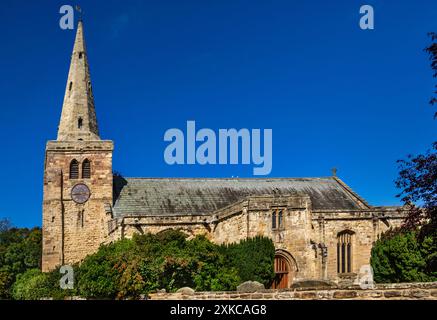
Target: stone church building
[(322, 230)]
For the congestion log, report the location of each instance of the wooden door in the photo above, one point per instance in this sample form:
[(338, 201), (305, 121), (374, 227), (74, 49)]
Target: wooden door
[(282, 270)]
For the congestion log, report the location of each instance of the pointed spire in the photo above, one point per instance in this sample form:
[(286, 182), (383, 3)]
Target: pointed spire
[(78, 118)]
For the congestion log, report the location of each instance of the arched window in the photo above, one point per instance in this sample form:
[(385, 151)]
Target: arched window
[(74, 169), (86, 169), (79, 123), (278, 219), (344, 251), (274, 220), (70, 86)]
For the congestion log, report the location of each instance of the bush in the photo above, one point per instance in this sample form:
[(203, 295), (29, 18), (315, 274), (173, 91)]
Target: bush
[(31, 285), (145, 263), (99, 274), (129, 268), (404, 257), (253, 258), (20, 250)]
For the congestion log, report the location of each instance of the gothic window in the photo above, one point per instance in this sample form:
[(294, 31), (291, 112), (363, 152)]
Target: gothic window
[(80, 55), (274, 220), (344, 251), (86, 169), (70, 86), (277, 219), (79, 123), (74, 169), (280, 219)]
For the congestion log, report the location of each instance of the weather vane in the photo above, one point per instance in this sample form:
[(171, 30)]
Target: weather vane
[(79, 10)]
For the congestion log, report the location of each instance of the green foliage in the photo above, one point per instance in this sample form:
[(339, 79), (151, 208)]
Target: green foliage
[(6, 281), (34, 284), (404, 257), (410, 254), (253, 258), (99, 273), (145, 263), (20, 250), (31, 285), (129, 268)]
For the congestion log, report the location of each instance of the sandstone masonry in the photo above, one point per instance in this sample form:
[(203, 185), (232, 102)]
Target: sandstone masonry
[(322, 230), (401, 291)]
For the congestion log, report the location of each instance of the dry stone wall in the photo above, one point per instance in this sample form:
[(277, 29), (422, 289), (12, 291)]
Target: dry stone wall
[(403, 291)]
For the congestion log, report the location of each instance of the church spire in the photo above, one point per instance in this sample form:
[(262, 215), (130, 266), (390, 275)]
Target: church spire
[(78, 118)]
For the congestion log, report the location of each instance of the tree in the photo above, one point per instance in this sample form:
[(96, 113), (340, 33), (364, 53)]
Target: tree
[(402, 257), (410, 252), (432, 52), (5, 224), (130, 267), (418, 175), (20, 250), (418, 181), (31, 285), (253, 259)]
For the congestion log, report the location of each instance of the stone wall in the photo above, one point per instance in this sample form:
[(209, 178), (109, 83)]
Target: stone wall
[(366, 226), (307, 239), (402, 291), (71, 230)]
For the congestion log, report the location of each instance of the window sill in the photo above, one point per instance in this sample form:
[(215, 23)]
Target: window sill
[(346, 275)]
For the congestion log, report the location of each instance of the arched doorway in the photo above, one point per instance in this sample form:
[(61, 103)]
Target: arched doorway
[(285, 269)]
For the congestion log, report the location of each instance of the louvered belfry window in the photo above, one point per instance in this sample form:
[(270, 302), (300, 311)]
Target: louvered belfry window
[(74, 169), (344, 252), (86, 169)]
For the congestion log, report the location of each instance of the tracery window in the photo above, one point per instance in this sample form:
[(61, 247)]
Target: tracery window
[(344, 251)]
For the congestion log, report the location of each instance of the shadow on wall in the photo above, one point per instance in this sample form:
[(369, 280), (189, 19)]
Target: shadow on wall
[(118, 184)]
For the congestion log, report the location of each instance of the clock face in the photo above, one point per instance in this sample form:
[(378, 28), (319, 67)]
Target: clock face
[(80, 193)]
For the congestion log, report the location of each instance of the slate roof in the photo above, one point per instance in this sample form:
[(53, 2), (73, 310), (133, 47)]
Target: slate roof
[(194, 196)]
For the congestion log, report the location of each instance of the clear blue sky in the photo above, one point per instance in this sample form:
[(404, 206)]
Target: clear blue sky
[(333, 94)]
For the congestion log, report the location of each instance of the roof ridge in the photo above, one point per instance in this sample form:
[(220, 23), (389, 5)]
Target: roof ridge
[(228, 178), (352, 192)]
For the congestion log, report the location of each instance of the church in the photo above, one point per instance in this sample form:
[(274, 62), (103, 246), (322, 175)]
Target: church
[(321, 228)]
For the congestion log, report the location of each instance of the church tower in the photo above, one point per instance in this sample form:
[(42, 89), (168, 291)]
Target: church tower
[(78, 177)]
